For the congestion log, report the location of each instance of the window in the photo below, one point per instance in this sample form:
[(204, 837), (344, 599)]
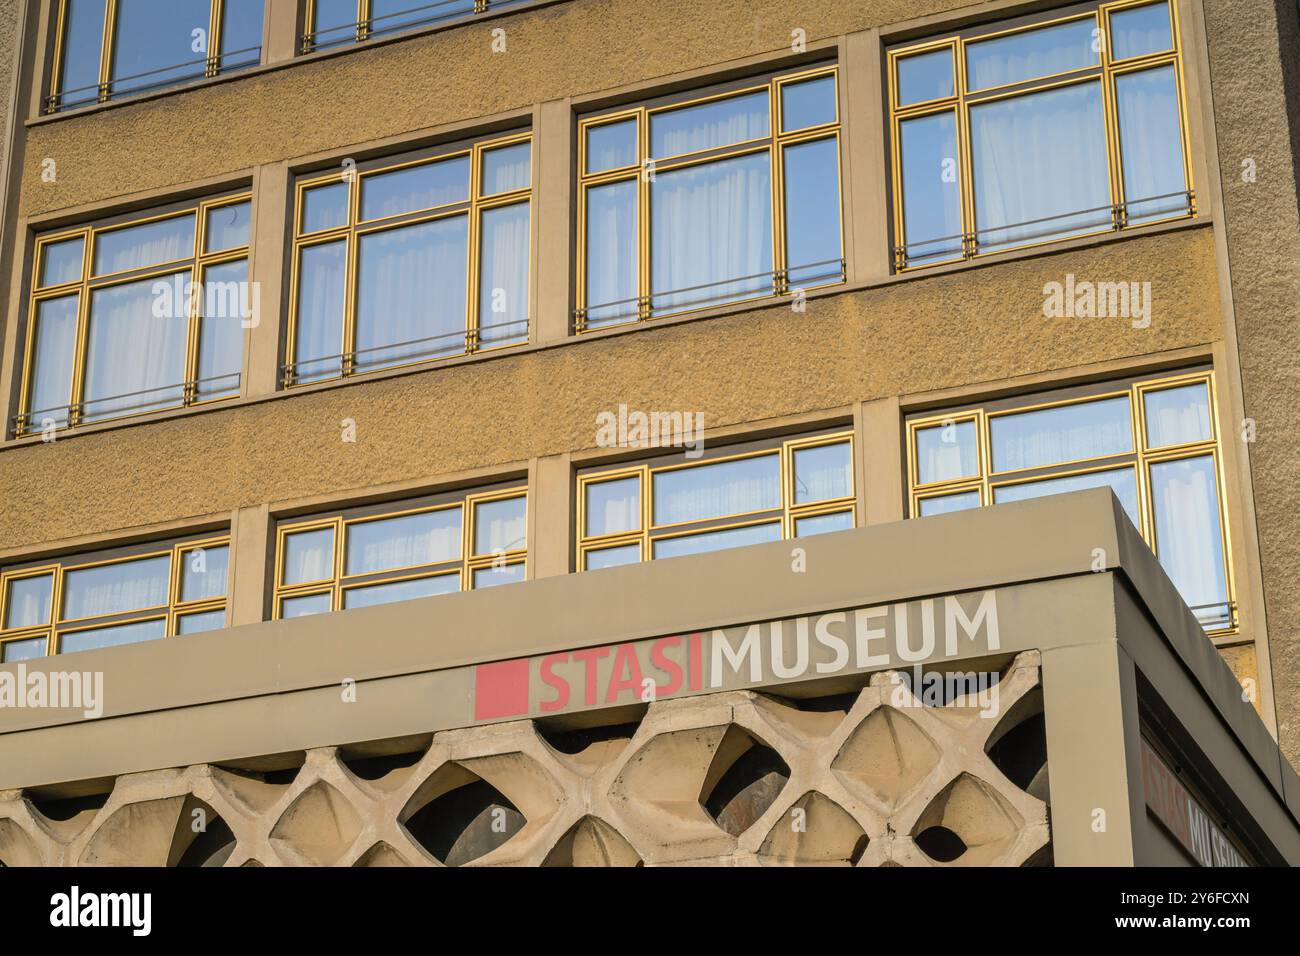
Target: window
[(137, 315), (1153, 442), (107, 48), (699, 202), (335, 22), (133, 594), (386, 553), (798, 488), (408, 261), (1013, 137)]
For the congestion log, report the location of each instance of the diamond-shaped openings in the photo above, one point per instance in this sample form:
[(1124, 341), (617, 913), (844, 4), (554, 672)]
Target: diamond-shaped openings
[(68, 816), (319, 826), (744, 779), (592, 842), (586, 749), (458, 817), (381, 854), (968, 824), (255, 791), (173, 831), (16, 847), (815, 831), (1018, 745), (888, 754), (385, 771)]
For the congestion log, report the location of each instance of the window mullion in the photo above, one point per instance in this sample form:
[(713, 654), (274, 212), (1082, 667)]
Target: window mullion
[(106, 49), (194, 341), (643, 214), (83, 340), (363, 19), (352, 256), (776, 166), (965, 157), (215, 14)]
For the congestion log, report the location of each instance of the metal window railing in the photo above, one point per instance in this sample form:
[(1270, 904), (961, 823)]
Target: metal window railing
[(1224, 619), (211, 65), (358, 361), (967, 245), (179, 395), (778, 282), (440, 11)]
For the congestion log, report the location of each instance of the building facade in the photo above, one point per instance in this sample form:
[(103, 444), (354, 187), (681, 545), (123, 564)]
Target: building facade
[(848, 410)]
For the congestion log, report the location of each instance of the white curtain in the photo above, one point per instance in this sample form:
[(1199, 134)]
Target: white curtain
[(1066, 433), (56, 344), (931, 193), (112, 588), (308, 556), (691, 129), (166, 240), (403, 542), (221, 335), (499, 525), (613, 506), (132, 350), (411, 289), (1151, 143), (1023, 56), (1040, 156), (945, 452), (712, 491), (711, 225), (319, 332), (822, 473), (611, 275), (1185, 498), (503, 283)]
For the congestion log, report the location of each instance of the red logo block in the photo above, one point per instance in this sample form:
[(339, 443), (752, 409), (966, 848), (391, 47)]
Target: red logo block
[(501, 689)]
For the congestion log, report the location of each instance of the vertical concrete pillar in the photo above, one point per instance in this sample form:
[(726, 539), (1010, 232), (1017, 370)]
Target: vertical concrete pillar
[(1094, 754), (550, 516), (866, 197), (252, 547), (553, 198), (26, 79), (882, 486), (30, 64), (268, 272), (281, 32)]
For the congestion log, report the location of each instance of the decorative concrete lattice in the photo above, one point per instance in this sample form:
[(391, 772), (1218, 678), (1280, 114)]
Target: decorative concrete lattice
[(735, 779)]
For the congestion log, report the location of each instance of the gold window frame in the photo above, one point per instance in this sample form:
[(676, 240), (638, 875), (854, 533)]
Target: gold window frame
[(1105, 73), (774, 144), (339, 583), (1141, 457), (58, 625), (197, 264), (355, 227), (211, 64), (648, 533)]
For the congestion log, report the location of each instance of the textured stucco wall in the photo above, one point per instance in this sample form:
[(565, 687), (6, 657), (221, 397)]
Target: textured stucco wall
[(932, 333), (1253, 94)]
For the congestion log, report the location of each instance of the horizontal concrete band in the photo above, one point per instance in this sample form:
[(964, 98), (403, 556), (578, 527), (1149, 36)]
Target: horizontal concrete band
[(277, 687)]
